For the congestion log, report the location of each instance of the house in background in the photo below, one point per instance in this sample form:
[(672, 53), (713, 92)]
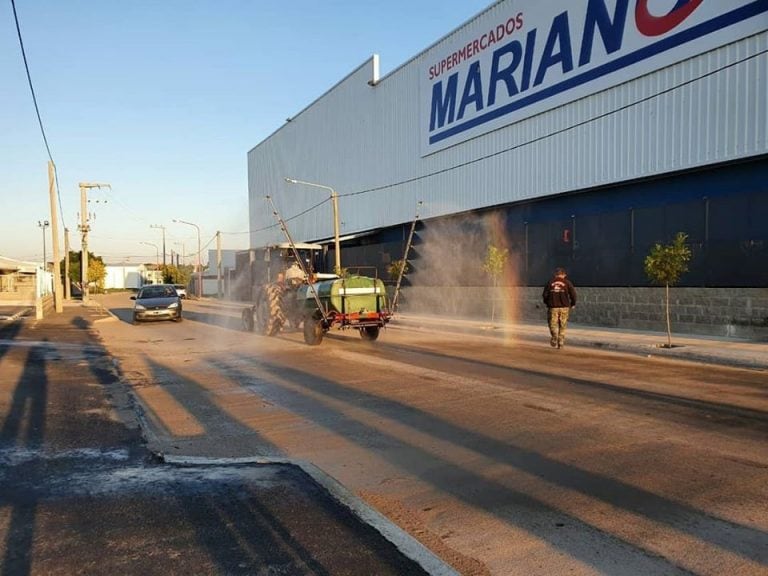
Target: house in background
[(126, 276), (25, 284)]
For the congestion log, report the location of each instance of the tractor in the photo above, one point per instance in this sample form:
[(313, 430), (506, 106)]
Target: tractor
[(294, 295)]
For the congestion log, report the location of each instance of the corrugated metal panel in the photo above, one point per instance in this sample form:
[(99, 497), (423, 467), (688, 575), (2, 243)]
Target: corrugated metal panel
[(363, 140)]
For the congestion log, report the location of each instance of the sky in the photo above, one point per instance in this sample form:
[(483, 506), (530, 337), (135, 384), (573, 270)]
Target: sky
[(163, 100)]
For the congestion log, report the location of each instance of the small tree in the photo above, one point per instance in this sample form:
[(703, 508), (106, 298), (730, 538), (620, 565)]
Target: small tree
[(97, 273), (493, 265), (664, 265), (396, 268)]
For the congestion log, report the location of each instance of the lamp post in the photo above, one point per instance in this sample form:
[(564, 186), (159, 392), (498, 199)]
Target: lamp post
[(161, 227), (199, 267), (335, 202), (157, 253), (44, 224)]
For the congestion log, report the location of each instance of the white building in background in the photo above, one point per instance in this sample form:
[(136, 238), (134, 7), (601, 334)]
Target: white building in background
[(130, 276)]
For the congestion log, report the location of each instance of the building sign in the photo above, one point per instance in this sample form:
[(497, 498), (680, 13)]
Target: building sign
[(523, 57)]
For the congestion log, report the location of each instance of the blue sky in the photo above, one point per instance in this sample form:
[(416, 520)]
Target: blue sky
[(163, 100)]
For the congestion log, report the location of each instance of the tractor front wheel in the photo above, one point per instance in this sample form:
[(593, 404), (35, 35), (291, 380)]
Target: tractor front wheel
[(369, 333), (247, 318)]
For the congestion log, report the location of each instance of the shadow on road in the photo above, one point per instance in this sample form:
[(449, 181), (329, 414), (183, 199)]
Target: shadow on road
[(295, 525), (529, 513)]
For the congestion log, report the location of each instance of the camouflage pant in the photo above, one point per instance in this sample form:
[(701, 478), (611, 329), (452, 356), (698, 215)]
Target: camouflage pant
[(558, 320)]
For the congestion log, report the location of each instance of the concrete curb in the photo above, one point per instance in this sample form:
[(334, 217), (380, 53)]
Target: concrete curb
[(404, 542)]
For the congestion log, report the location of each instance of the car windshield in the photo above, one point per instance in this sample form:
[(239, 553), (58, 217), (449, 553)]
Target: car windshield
[(157, 292)]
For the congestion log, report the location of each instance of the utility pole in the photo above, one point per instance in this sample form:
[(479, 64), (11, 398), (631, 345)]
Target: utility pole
[(218, 264), (199, 264), (67, 287), (84, 229), (57, 295), (44, 224), (163, 229)]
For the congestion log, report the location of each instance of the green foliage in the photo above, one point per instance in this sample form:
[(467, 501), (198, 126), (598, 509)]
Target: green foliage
[(177, 274), (494, 262), (665, 264), (493, 266), (97, 270), (396, 268)]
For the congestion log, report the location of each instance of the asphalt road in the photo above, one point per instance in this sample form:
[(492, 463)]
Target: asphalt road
[(80, 493), (501, 457)]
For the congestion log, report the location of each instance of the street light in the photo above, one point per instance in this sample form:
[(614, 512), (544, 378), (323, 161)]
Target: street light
[(161, 227), (199, 266), (44, 224), (335, 202), (157, 253)]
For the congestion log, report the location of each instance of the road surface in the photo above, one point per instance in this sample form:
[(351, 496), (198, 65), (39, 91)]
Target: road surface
[(502, 457)]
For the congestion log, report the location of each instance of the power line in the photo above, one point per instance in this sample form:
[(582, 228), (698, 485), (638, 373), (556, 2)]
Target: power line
[(37, 110), (299, 215)]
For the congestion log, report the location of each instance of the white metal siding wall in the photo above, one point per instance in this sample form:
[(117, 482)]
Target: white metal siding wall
[(356, 138)]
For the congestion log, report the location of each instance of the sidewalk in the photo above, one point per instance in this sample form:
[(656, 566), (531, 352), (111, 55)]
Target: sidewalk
[(705, 349), (80, 493)]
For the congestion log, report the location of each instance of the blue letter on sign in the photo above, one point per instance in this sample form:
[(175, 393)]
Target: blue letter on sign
[(560, 33), (612, 33), (473, 90), (442, 107), (504, 74)]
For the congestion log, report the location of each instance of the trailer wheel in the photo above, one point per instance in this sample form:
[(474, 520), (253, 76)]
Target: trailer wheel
[(313, 330), (369, 333), (270, 310), (247, 318)]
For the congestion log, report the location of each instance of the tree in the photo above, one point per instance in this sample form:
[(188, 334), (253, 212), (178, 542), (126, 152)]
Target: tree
[(664, 265), (177, 274), (97, 270), (97, 273), (493, 265), (396, 268)]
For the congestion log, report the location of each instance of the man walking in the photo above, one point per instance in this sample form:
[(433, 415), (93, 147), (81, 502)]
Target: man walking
[(559, 296)]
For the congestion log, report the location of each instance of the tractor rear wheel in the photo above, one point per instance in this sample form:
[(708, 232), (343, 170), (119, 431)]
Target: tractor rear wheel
[(313, 330), (369, 333), (269, 310)]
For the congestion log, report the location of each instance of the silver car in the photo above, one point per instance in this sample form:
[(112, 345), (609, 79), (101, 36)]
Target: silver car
[(157, 302)]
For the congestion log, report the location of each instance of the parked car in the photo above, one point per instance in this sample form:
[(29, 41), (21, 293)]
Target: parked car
[(157, 302), (181, 290)]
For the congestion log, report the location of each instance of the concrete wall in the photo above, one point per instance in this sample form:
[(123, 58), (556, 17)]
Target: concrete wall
[(728, 312)]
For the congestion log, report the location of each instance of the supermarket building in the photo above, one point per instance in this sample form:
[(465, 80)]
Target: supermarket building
[(575, 136)]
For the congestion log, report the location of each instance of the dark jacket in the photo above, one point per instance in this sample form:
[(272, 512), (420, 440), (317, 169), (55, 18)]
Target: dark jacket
[(559, 293)]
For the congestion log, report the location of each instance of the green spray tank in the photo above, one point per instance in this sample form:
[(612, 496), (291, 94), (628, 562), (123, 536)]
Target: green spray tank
[(349, 302)]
